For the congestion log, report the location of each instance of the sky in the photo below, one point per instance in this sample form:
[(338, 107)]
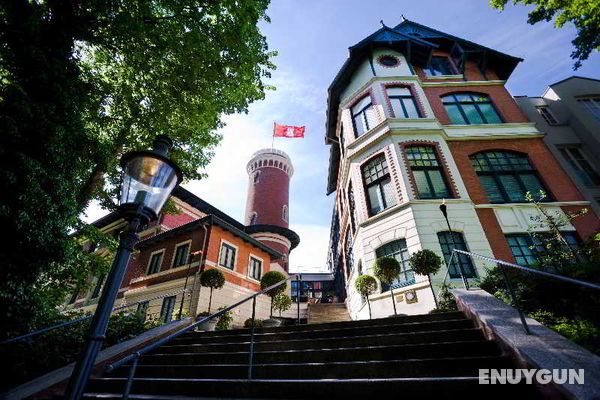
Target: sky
[(312, 39)]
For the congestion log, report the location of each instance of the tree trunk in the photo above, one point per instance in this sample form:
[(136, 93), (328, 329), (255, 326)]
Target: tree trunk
[(209, 300), (432, 291), (271, 308), (393, 301), (369, 305)]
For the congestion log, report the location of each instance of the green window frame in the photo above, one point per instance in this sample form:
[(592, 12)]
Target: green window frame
[(460, 262), (470, 108), (526, 248), (398, 250), (428, 175), (506, 176), (378, 185), (166, 311)]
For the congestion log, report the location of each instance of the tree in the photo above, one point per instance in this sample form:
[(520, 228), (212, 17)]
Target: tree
[(213, 279), (282, 302), (387, 269), (426, 262), (83, 82), (584, 14), (272, 278), (366, 285)]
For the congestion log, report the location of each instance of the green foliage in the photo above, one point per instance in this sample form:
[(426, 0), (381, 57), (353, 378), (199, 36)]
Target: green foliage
[(270, 279), (258, 323), (82, 84), (282, 302), (425, 262), (581, 331), (224, 321), (446, 301), (34, 357), (212, 278), (365, 285), (386, 269), (584, 14)]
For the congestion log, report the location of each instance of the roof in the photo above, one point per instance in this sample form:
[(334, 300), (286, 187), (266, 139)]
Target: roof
[(574, 77), (211, 220), (288, 233), (416, 42)]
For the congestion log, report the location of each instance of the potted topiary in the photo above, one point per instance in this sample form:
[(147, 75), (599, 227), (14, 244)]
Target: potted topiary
[(225, 320), (269, 279), (426, 262), (282, 302), (387, 269), (213, 279), (258, 323), (366, 285)]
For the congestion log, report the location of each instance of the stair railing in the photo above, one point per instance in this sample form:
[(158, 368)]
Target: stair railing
[(503, 265), (135, 357)]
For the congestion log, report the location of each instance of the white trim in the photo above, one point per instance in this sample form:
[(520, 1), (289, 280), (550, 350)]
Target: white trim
[(235, 256), (162, 273), (189, 241), (262, 263), (162, 259), (547, 204)]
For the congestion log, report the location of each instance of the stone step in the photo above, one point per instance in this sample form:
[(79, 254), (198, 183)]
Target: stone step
[(345, 331), (332, 342)]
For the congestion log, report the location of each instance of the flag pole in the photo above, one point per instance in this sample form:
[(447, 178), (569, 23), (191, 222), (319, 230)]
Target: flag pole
[(273, 136)]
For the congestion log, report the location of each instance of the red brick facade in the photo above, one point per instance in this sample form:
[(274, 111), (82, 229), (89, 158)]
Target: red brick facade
[(268, 196)]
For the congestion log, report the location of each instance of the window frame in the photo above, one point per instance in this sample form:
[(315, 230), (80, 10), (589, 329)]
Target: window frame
[(463, 260), (260, 261), (362, 113), (427, 70), (547, 115), (495, 174), (459, 104), (285, 213), (187, 243), (591, 177), (401, 98), (569, 237), (229, 246), (378, 183), (351, 206), (97, 289), (164, 316), (403, 259), (440, 167), (591, 105), (162, 259)]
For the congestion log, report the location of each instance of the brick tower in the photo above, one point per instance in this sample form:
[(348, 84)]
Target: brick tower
[(267, 205)]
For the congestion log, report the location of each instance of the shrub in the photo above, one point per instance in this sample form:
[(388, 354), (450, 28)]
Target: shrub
[(224, 321), (426, 262), (269, 279), (365, 285), (213, 279), (257, 323), (282, 302), (386, 269)]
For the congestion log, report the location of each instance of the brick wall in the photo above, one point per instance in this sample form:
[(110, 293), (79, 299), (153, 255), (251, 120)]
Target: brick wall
[(268, 196)]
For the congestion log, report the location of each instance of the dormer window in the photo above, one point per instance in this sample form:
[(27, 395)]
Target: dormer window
[(440, 66), (363, 116)]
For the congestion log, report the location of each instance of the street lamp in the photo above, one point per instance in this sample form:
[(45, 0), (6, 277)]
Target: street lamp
[(149, 177), (444, 211)]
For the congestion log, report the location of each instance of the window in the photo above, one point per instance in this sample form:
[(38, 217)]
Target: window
[(526, 248), (388, 61), (155, 262), (397, 249), (585, 173), (284, 213), (166, 311), (440, 65), (363, 116), (378, 185), (256, 177), (591, 105), (349, 256), (98, 286), (470, 108), (142, 307), (455, 240), (73, 297), (227, 257), (254, 218), (181, 255), (544, 111), (427, 172), (255, 268), (351, 207), (506, 176), (403, 103), (342, 145)]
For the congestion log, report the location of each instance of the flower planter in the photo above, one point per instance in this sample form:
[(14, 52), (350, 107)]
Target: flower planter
[(209, 325), (272, 323)]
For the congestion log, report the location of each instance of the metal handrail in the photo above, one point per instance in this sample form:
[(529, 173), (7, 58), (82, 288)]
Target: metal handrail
[(81, 319), (501, 265), (134, 357)]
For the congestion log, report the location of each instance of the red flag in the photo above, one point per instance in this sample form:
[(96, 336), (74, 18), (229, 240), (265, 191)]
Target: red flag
[(288, 131)]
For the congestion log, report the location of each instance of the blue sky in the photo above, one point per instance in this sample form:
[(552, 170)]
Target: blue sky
[(312, 38)]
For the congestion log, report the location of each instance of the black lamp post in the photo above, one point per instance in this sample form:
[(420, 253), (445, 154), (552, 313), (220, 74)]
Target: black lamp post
[(149, 177), (444, 211)]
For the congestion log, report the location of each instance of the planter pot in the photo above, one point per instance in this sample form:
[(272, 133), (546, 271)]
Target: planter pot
[(272, 323), (209, 325)]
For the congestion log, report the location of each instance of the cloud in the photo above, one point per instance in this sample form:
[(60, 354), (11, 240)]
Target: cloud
[(311, 253)]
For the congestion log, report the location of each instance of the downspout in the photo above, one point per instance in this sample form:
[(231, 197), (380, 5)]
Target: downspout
[(203, 256)]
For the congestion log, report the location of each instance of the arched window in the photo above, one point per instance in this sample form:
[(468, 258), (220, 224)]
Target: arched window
[(284, 213), (378, 185), (363, 116), (427, 172), (256, 177), (460, 262), (506, 176), (253, 218), (470, 108), (270, 163), (397, 249)]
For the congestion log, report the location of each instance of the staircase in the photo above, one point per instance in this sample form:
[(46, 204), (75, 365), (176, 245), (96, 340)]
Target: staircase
[(322, 313), (418, 356)]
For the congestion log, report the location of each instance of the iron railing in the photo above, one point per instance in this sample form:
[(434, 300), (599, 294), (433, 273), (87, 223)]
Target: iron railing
[(503, 265), (135, 357), (84, 318)]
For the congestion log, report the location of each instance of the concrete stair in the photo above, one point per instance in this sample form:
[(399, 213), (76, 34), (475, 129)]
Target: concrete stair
[(322, 313), (421, 356)]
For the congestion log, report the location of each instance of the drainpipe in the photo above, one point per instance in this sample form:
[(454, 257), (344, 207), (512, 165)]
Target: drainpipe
[(203, 256)]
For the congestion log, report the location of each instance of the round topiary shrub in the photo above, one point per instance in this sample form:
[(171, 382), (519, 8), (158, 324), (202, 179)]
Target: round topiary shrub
[(257, 323), (387, 269), (426, 262), (366, 285), (213, 279), (282, 302), (269, 279)]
